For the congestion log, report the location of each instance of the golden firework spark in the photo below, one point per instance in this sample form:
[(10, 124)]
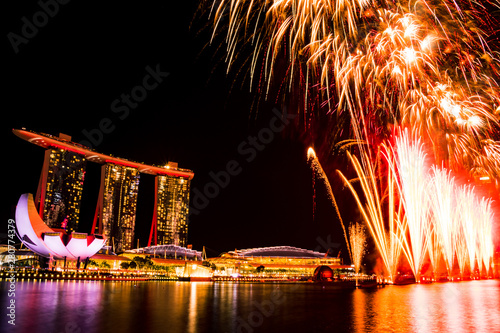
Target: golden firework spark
[(357, 239), (422, 64), (388, 239)]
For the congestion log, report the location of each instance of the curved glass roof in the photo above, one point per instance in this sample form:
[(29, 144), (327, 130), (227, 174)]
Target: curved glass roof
[(278, 251), (168, 250)]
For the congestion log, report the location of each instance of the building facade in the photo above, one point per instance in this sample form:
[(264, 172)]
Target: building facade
[(171, 211), (60, 189), (120, 186)]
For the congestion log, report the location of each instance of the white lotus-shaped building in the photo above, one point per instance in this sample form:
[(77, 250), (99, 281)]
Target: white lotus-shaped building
[(44, 241)]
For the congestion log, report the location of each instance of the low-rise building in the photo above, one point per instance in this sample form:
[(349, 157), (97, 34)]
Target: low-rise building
[(276, 260)]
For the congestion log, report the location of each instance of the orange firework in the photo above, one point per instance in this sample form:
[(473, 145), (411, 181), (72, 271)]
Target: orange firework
[(357, 239), (422, 64), (318, 170)]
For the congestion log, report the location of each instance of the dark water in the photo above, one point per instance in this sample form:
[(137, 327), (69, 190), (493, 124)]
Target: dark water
[(79, 306)]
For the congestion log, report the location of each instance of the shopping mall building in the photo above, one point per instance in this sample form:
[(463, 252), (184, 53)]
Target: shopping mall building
[(277, 260)]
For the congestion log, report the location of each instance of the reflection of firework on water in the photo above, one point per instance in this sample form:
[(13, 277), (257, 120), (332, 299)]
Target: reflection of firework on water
[(357, 239)]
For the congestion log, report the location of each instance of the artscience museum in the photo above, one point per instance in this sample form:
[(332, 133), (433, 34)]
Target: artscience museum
[(49, 242)]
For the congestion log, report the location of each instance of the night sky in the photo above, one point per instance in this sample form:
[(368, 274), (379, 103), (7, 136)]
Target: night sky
[(74, 74)]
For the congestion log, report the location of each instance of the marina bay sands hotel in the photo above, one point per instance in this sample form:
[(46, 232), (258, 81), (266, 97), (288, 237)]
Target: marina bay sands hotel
[(60, 188)]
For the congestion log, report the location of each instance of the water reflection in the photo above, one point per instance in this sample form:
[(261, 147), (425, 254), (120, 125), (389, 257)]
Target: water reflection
[(85, 306), (382, 310), (359, 306), (192, 309), (447, 307)]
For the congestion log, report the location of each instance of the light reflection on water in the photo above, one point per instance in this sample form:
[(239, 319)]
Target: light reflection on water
[(87, 306)]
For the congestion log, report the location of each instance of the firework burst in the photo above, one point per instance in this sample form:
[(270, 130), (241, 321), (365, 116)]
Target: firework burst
[(422, 64)]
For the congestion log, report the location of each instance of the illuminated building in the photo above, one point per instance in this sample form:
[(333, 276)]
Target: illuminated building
[(287, 260), (113, 261), (166, 252), (60, 189), (48, 242), (61, 185), (282, 256), (171, 209), (118, 204)]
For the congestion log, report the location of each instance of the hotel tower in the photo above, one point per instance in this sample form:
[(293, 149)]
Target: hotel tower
[(60, 191)]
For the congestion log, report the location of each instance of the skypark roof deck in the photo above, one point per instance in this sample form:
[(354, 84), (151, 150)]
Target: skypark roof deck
[(64, 142)]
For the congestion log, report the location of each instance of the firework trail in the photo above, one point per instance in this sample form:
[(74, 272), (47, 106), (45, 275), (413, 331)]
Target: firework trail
[(463, 223), (476, 222), (434, 248), (467, 207), (318, 170), (484, 225), (427, 212), (442, 217), (388, 240), (461, 250), (412, 168), (443, 208)]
